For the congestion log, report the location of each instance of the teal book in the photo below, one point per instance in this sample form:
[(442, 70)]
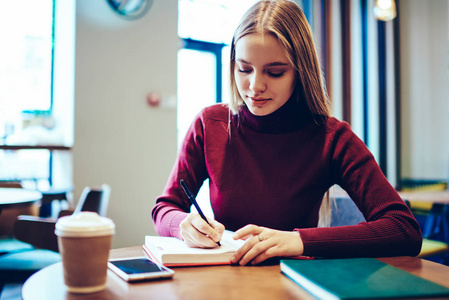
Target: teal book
[(358, 278)]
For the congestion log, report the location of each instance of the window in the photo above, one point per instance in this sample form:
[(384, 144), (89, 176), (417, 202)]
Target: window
[(25, 63), (199, 65), (36, 89)]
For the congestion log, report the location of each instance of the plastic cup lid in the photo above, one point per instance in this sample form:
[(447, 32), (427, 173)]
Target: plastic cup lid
[(84, 224)]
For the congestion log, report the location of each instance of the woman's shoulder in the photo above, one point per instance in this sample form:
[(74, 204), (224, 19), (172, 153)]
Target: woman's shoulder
[(336, 128), (340, 132), (211, 116), (332, 124), (216, 112)]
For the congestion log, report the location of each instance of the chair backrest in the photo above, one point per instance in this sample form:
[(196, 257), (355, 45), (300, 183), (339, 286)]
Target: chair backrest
[(345, 212), (94, 199), (40, 232), (10, 184)]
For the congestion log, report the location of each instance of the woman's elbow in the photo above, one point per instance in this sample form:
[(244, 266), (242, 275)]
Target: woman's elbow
[(414, 242)]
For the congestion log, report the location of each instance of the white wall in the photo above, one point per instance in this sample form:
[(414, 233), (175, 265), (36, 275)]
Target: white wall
[(119, 139), (425, 88)]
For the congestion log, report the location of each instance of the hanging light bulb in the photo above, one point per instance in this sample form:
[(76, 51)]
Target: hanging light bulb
[(385, 10)]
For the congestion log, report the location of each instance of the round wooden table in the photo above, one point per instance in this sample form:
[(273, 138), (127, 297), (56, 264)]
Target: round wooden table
[(16, 197), (214, 282)]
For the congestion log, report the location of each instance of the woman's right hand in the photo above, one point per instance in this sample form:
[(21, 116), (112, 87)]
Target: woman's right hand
[(197, 233)]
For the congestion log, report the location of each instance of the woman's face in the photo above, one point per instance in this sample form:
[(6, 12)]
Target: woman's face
[(264, 77)]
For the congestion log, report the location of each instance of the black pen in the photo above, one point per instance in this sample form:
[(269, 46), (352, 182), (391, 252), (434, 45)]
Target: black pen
[(193, 200)]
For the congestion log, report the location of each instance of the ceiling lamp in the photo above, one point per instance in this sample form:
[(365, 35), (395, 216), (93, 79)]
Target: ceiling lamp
[(384, 10)]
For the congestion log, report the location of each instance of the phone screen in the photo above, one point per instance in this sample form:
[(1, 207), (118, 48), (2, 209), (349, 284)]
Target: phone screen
[(137, 266)]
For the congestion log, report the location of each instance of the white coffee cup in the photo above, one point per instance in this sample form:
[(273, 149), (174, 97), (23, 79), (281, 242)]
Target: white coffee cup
[(84, 241)]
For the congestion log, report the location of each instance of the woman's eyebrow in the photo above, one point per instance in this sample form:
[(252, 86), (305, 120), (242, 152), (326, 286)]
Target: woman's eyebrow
[(272, 64), (242, 61), (276, 64)]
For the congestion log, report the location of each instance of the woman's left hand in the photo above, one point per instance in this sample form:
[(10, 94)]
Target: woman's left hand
[(263, 243)]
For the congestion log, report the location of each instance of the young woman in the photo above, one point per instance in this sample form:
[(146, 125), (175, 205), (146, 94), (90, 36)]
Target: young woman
[(274, 152)]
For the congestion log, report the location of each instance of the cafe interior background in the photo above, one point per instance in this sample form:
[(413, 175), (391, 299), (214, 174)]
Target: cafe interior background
[(117, 91)]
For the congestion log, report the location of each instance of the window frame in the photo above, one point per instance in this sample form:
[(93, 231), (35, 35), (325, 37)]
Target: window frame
[(217, 50)]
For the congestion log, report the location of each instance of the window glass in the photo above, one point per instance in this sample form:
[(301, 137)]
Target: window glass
[(26, 28), (26, 54), (210, 20), (196, 86), (29, 166), (225, 64)]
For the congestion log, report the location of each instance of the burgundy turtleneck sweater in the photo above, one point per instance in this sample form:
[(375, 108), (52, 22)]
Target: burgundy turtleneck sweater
[(273, 171)]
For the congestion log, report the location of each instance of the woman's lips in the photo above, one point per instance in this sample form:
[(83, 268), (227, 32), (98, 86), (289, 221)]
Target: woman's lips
[(259, 101)]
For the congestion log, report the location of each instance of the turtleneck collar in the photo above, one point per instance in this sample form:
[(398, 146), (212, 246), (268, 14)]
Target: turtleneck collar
[(288, 118)]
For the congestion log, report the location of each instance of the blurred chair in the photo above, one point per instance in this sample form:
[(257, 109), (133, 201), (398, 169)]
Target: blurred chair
[(435, 229), (94, 199), (48, 197), (345, 212), (431, 248), (39, 232)]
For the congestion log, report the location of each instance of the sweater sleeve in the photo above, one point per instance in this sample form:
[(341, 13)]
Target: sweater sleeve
[(390, 228), (172, 207)]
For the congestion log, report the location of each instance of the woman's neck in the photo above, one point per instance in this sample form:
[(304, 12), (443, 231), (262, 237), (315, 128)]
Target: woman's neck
[(290, 117)]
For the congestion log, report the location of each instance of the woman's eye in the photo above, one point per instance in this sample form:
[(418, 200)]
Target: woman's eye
[(244, 71), (275, 74)]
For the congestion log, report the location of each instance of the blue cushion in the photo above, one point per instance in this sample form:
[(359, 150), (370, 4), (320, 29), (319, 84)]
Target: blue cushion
[(9, 245), (18, 266), (29, 260)]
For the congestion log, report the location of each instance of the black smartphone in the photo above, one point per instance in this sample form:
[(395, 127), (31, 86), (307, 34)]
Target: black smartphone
[(139, 268)]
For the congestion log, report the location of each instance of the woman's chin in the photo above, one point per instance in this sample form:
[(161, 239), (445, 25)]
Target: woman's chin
[(260, 110)]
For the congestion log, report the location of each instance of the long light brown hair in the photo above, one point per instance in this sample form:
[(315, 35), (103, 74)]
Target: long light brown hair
[(286, 21)]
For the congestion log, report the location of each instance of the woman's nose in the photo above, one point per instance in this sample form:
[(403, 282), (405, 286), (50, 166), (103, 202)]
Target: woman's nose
[(257, 83)]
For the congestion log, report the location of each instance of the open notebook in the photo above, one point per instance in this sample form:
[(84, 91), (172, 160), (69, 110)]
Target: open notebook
[(173, 252)]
